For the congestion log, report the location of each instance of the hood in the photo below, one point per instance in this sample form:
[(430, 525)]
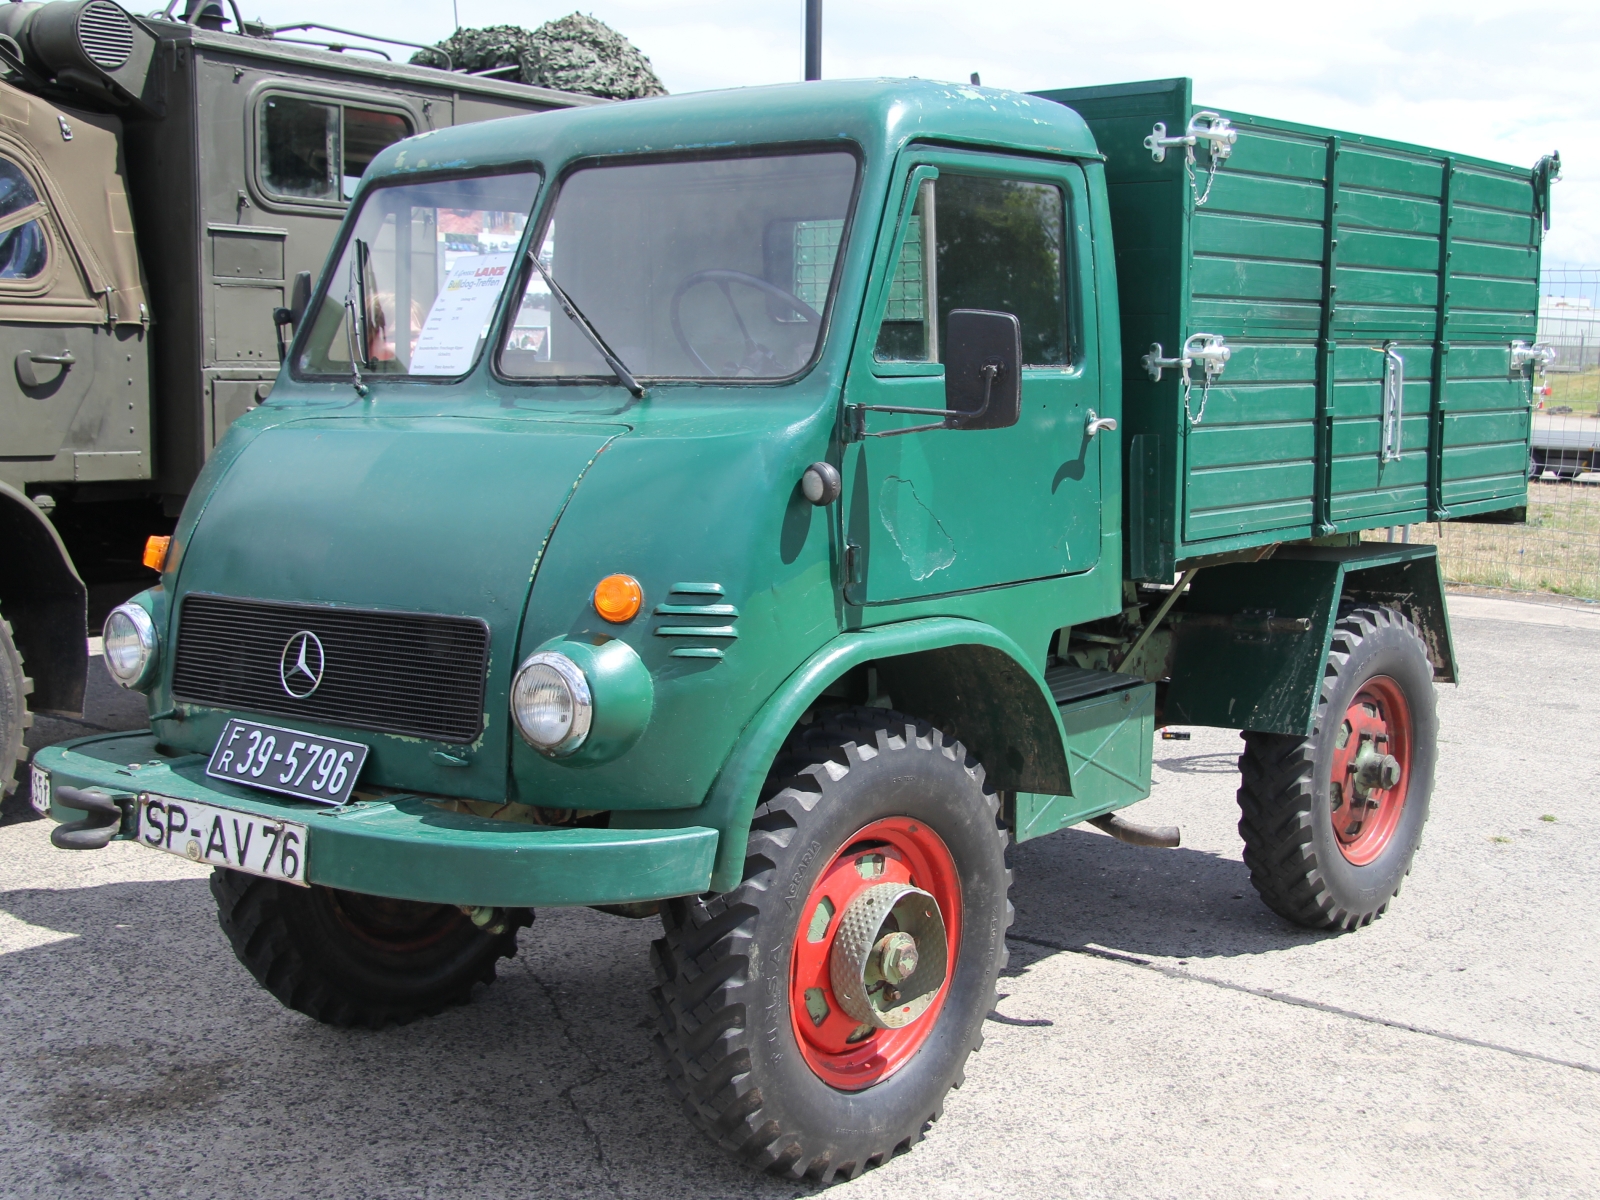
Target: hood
[(430, 514)]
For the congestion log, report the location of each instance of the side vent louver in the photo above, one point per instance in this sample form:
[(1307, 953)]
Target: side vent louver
[(696, 613)]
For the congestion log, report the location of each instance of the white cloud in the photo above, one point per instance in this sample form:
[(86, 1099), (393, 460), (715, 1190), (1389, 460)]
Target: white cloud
[(1472, 76)]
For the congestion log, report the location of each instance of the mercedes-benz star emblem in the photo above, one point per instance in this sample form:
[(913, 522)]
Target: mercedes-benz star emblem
[(300, 665)]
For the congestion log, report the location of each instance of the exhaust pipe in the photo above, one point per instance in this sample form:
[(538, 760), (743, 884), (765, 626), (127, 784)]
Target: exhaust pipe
[(1161, 836)]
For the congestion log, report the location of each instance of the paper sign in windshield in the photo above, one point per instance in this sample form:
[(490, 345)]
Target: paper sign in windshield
[(460, 315)]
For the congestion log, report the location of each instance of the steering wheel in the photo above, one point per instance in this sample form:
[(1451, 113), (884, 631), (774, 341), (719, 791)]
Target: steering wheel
[(757, 360)]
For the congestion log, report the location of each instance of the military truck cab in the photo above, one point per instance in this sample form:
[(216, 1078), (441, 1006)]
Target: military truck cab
[(744, 526)]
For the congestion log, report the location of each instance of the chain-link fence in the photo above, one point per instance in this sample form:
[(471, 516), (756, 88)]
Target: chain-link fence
[(1558, 550)]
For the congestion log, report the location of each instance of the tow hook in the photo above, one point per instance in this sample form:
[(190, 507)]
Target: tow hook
[(95, 831)]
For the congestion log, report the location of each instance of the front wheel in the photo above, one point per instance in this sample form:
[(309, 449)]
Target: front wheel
[(813, 1019), (1331, 822), (347, 959)]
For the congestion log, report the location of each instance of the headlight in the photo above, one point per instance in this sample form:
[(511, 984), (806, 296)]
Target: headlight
[(130, 645), (551, 703)]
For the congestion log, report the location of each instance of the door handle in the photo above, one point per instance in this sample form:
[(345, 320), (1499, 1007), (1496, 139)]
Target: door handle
[(27, 360), (1095, 424)]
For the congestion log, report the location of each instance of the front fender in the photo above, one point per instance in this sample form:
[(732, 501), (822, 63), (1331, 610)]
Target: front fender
[(1026, 752)]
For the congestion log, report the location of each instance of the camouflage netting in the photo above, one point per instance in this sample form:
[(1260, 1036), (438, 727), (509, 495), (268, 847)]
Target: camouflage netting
[(576, 54)]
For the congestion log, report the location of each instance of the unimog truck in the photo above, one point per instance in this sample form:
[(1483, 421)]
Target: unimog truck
[(165, 186), (814, 490)]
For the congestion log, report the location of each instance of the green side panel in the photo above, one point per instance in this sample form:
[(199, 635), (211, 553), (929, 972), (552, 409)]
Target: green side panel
[(1238, 660), (407, 848), (1108, 745), (1311, 252)]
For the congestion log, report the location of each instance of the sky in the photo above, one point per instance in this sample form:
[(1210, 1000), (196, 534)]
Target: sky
[(1495, 80)]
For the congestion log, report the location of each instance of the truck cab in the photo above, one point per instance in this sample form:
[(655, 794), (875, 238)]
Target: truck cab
[(714, 506)]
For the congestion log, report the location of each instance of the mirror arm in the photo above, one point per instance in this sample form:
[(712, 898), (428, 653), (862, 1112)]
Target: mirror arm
[(856, 414)]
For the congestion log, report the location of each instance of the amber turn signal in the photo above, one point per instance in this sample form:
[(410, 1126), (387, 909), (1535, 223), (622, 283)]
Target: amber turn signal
[(617, 598), (155, 552)]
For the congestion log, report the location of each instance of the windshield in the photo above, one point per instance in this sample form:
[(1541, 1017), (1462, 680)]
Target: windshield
[(699, 269), (416, 286)]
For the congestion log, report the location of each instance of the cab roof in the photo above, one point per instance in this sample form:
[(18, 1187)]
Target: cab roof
[(880, 115)]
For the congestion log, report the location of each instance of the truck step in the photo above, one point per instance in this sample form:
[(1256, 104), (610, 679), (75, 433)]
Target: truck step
[(1069, 684)]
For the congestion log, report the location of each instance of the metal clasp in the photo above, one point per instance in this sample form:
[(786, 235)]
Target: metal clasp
[(1208, 127), (1540, 355), (1210, 350)]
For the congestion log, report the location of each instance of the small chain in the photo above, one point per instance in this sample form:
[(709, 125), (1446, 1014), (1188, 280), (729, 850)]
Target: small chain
[(1205, 393), (1211, 177)]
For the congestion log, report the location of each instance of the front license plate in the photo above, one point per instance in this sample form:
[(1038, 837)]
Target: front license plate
[(220, 837), (286, 760), (39, 788)]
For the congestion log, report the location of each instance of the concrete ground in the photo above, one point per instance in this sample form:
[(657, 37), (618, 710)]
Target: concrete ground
[(1162, 1034)]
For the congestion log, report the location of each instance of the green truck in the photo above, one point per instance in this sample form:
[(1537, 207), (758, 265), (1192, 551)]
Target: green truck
[(816, 489), (166, 184)]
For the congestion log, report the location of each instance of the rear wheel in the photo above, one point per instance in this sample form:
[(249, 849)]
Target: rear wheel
[(351, 959), (15, 719), (813, 1019), (1331, 822)]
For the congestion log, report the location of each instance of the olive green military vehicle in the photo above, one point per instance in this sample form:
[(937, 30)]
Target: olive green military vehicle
[(814, 490), (164, 186)]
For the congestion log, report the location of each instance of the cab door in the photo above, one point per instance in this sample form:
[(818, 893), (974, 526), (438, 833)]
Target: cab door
[(951, 510)]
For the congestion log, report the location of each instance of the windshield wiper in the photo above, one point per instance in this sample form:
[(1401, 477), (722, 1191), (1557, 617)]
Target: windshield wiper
[(355, 308), (624, 376)]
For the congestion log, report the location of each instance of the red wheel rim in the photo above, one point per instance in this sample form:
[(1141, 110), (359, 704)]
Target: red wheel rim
[(894, 850), (1366, 793)]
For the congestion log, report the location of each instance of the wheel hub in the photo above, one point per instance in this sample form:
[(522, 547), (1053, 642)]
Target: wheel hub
[(1370, 769), (875, 946), (879, 972)]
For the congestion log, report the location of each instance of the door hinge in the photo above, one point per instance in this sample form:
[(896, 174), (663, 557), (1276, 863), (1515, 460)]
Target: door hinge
[(852, 564)]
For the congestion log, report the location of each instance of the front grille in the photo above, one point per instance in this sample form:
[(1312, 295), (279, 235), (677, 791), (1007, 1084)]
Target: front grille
[(408, 673), (106, 34)]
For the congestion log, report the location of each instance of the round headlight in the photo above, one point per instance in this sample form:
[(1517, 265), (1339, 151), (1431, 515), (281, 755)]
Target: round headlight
[(551, 703), (130, 645)]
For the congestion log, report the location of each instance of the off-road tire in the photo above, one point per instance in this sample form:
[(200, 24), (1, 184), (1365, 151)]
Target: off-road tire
[(721, 1005), (1285, 819), (15, 719), (304, 946)]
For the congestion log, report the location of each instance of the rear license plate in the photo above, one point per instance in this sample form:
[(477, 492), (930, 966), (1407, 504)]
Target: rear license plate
[(39, 788), (220, 837), (297, 764)]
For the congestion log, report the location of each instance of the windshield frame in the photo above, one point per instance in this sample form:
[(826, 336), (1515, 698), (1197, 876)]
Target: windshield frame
[(545, 214), (354, 208)]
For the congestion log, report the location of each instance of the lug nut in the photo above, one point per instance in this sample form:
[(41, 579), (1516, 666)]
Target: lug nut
[(897, 957)]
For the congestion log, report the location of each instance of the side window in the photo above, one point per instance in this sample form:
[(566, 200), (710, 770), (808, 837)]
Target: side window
[(317, 150), (300, 148), (367, 131), (979, 241), (24, 249)]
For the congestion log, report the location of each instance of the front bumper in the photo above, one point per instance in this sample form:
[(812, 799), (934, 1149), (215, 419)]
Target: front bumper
[(405, 847)]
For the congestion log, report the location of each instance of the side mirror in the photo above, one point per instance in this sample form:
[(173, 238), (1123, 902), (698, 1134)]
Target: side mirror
[(299, 298), (982, 369)]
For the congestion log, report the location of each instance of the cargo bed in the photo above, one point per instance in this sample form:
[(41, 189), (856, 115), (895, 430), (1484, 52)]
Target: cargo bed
[(1322, 262)]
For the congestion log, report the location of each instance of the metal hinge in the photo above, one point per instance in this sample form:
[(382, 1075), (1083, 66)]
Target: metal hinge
[(852, 564), (1394, 398)]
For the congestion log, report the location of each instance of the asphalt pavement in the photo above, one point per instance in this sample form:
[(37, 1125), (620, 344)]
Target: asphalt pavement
[(1161, 1033)]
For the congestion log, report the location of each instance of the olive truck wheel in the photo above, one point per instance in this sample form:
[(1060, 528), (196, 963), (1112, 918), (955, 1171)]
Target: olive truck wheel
[(350, 959), (813, 1019), (1331, 822), (15, 719)]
